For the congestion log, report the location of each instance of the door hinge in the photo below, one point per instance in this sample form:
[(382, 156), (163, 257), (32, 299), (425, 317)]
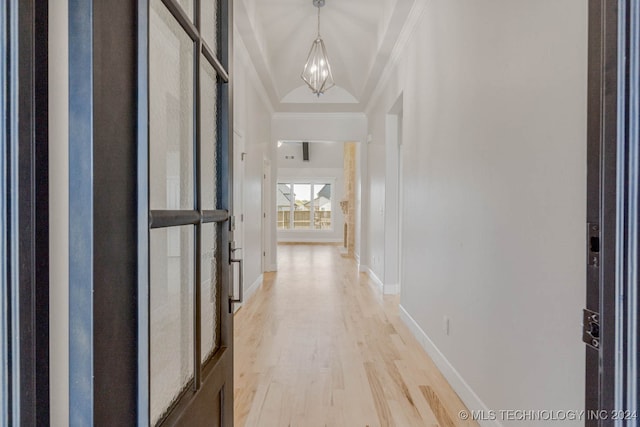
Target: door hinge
[(591, 328), (264, 254), (593, 245), (241, 217), (264, 215)]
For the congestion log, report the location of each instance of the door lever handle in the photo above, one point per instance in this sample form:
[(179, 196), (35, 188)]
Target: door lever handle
[(240, 298)]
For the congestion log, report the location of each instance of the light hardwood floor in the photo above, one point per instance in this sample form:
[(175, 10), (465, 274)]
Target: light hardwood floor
[(317, 345)]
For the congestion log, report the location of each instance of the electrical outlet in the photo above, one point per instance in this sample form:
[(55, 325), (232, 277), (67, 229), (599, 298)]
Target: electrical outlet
[(446, 325)]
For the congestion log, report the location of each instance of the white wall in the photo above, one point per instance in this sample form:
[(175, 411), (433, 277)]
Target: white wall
[(328, 154), (319, 127), (59, 211), (252, 119), (494, 111)]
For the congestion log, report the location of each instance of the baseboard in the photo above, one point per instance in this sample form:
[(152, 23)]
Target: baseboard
[(375, 279), (356, 256), (363, 268), (248, 293), (459, 385), (307, 240), (391, 289)]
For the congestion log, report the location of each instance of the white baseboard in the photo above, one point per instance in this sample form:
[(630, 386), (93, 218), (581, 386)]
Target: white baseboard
[(391, 289), (375, 279), (357, 258), (459, 385), (270, 268), (248, 293), (307, 240), (363, 268), (386, 289)]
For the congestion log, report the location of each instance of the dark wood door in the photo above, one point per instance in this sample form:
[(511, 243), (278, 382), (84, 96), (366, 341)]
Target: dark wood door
[(150, 334), (190, 361)]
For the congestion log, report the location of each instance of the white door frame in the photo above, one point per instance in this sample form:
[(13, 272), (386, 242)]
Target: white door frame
[(238, 199), (266, 216), (393, 209)]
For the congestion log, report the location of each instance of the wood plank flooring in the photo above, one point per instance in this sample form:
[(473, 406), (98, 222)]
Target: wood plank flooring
[(317, 345)]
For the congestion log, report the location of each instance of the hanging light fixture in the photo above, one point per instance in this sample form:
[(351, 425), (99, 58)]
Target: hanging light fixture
[(317, 71)]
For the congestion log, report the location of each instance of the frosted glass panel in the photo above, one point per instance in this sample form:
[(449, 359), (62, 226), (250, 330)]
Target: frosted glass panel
[(170, 112), (171, 315), (208, 142), (209, 292), (209, 24), (187, 6)]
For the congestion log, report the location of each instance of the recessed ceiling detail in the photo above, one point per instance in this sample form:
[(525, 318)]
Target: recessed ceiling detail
[(358, 34)]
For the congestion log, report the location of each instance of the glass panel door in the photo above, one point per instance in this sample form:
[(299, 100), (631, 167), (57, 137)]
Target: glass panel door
[(190, 366)]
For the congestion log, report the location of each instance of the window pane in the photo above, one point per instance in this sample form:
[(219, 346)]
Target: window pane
[(284, 206), (302, 206), (209, 9), (208, 116), (170, 112), (322, 206), (171, 315), (187, 6), (209, 292)]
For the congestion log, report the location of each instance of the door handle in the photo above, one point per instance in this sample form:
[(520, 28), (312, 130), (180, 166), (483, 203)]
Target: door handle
[(240, 298)]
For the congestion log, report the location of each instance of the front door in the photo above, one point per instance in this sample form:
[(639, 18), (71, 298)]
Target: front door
[(189, 321), (150, 231)]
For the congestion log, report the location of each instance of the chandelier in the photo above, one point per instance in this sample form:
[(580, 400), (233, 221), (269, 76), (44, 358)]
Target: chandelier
[(317, 71)]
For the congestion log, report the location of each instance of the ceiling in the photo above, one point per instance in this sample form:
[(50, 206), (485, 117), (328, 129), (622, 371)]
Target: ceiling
[(359, 36)]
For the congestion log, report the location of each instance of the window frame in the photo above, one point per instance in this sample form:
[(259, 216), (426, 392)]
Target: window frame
[(304, 180)]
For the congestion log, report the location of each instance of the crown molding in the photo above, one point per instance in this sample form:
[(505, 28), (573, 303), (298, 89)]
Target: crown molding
[(407, 32)]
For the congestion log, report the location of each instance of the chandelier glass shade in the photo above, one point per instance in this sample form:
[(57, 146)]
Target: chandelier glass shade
[(317, 70)]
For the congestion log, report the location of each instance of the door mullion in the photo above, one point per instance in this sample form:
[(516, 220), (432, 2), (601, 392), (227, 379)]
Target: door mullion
[(197, 315), (312, 214), (292, 207)]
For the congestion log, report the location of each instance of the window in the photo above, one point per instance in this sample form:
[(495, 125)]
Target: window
[(304, 205)]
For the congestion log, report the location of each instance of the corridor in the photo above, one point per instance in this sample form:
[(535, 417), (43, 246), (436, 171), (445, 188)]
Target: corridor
[(318, 345)]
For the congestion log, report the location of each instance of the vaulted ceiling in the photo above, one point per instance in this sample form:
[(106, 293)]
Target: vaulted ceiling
[(359, 36)]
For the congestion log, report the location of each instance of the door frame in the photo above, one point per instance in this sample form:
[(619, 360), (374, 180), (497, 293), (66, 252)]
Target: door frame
[(24, 214), (393, 209), (267, 264), (613, 157), (239, 160)]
